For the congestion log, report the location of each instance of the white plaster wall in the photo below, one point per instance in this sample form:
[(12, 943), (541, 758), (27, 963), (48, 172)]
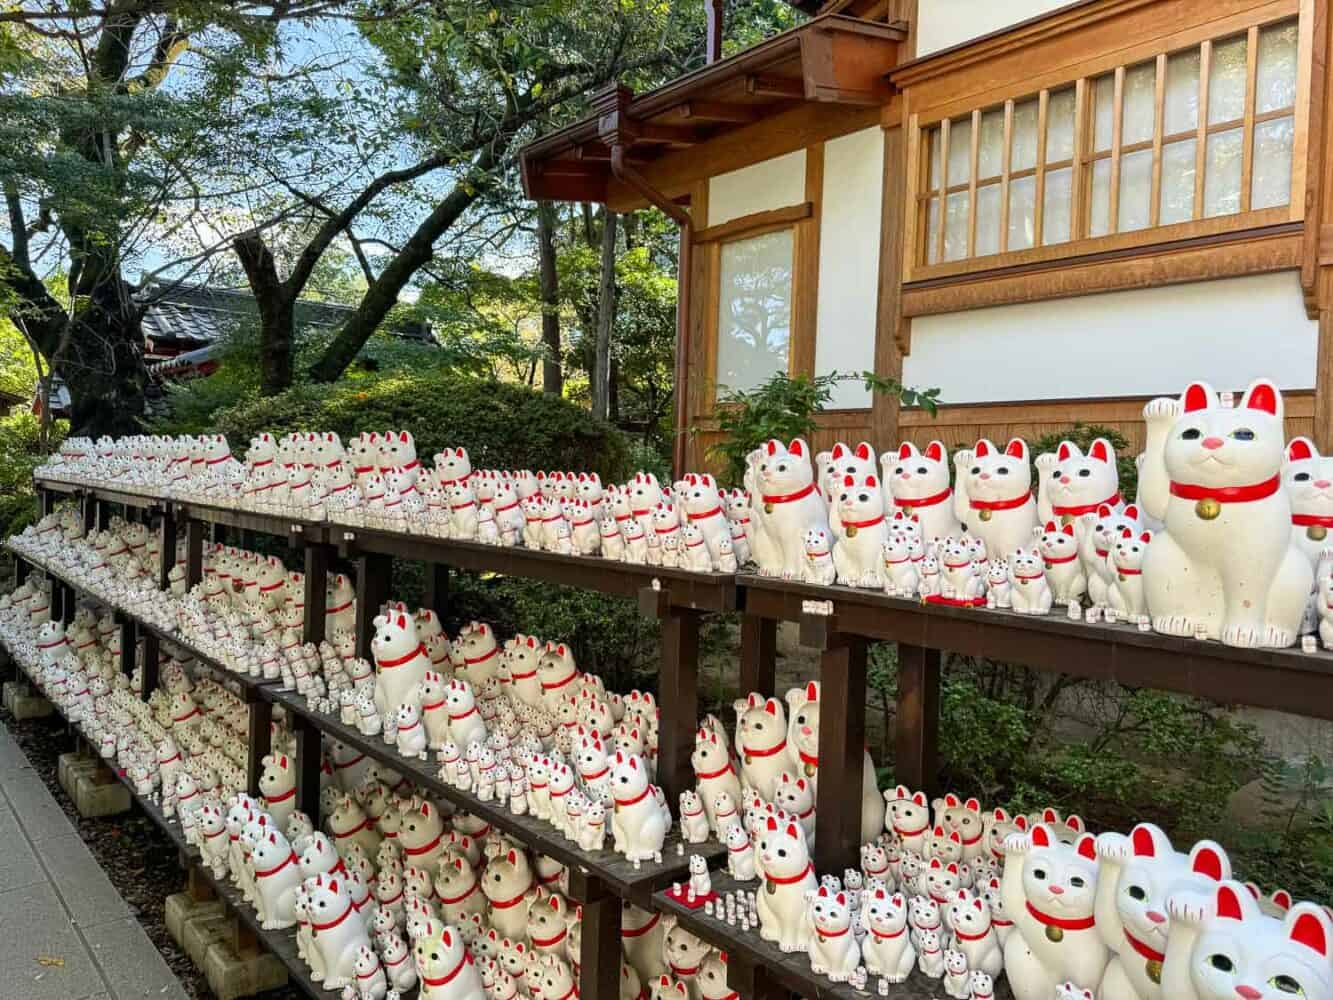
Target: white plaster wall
[(849, 260), (943, 23), (766, 185), (1143, 342)]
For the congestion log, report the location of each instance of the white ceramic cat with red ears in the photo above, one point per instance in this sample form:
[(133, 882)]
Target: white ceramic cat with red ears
[(787, 505), (1071, 484), (1226, 566), (861, 531), (993, 495), (761, 742), (1223, 946), (1308, 478), (788, 876), (918, 483), (1139, 874), (832, 469), (1049, 891), (401, 661)]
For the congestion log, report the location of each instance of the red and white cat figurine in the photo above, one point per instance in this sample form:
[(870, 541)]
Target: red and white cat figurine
[(919, 484), (788, 504), (993, 495)]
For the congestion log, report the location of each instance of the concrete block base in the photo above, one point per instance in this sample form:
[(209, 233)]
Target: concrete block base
[(31, 706), (100, 795), (203, 930), (11, 690), (231, 976), (71, 765), (183, 907)]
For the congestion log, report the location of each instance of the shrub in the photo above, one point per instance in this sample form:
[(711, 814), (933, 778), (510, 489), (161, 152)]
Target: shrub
[(500, 424), (21, 451), (1083, 435)]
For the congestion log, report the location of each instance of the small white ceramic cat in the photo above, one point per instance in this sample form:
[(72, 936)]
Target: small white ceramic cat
[(834, 951), (1071, 484), (857, 552), (1028, 588), (1308, 478), (1058, 546), (887, 946), (993, 495), (740, 854), (818, 567), (788, 504), (1126, 592), (919, 484), (897, 568), (956, 975), (788, 876), (960, 581)]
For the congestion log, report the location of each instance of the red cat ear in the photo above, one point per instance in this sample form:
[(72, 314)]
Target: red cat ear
[(848, 481), (791, 830), (1229, 904), (982, 449), (1063, 452), (1041, 837), (1262, 395), (838, 451), (797, 448), (1281, 899), (1146, 537), (871, 482), (905, 451), (919, 798), (1299, 449), (1126, 533), (1050, 526), (1207, 861), (772, 447), (863, 452), (1068, 529), (812, 691), (1197, 397), (772, 707), (1087, 847), (1142, 839), (1101, 450), (935, 451), (1016, 448)]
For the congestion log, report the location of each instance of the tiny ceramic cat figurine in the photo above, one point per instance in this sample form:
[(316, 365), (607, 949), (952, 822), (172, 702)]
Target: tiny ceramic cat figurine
[(640, 821), (960, 583), (930, 954), (1071, 484), (834, 466), (1097, 534), (956, 975), (897, 568), (740, 853), (1223, 946), (761, 742), (1049, 891), (834, 951), (918, 482), (788, 505), (1028, 589), (1058, 546), (999, 594), (788, 876), (1139, 875), (907, 817), (1126, 592), (993, 495), (887, 946), (982, 987), (969, 918), (930, 576), (818, 566), (856, 554), (411, 734), (1308, 479), (693, 818), (1226, 566)]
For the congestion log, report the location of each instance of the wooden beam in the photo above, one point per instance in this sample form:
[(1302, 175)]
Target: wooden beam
[(754, 222), (894, 208), (780, 87), (672, 135), (716, 111)]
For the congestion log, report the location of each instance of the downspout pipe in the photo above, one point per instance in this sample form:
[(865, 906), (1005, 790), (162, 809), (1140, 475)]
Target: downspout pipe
[(627, 174)]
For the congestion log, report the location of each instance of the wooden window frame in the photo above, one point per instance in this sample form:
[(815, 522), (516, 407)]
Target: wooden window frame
[(1200, 38), (802, 220)]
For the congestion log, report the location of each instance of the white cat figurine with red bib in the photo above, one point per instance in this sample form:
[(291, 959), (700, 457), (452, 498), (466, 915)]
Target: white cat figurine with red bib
[(1049, 891), (1125, 594), (1139, 874), (834, 951), (907, 817), (401, 661), (918, 482), (1226, 566), (1308, 478), (445, 966), (887, 946), (640, 821), (1058, 546), (1222, 946), (787, 876), (761, 743), (833, 468), (787, 505), (861, 531), (993, 495), (1071, 484)]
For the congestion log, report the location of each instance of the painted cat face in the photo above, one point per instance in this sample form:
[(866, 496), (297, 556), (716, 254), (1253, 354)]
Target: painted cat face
[(1308, 477), (1214, 446), (1129, 549), (1058, 879), (1057, 544), (1241, 952), (916, 475), (859, 498), (830, 910), (1153, 872), (844, 461), (996, 474), (785, 468), (1079, 480)]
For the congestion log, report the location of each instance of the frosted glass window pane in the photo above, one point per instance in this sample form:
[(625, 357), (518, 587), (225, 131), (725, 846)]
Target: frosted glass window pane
[(1024, 155), (1135, 190), (1140, 99), (1099, 221), (1226, 81), (960, 152), (1177, 182), (1181, 111), (955, 226), (1056, 206), (988, 220), (932, 231), (1272, 163), (754, 309), (990, 147), (1221, 179), (1104, 108), (1275, 85), (1022, 206), (934, 159), (1060, 126)]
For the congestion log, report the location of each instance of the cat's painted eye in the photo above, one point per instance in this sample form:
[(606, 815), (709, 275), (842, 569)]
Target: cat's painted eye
[(1003, 470), (1243, 434), (976, 470), (1221, 963), (1301, 477), (1084, 473), (1136, 892), (1191, 434), (1284, 983), (898, 470), (1039, 874), (922, 470), (1056, 473)]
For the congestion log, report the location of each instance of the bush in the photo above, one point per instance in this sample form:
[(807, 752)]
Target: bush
[(21, 451), (500, 424), (1083, 435)]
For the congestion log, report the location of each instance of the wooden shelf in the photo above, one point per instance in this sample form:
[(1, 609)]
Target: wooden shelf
[(610, 869), (282, 526)]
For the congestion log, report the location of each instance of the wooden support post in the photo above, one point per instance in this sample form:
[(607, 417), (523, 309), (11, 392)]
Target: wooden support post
[(249, 539), (372, 590), (166, 541), (69, 603), (917, 727), (244, 940), (103, 516), (753, 981), (21, 570), (309, 756), (88, 509), (129, 639), (47, 498), (218, 533), (437, 589), (151, 655), (197, 883), (317, 559), (678, 702), (261, 734), (56, 604), (194, 552), (759, 653), (842, 743), (600, 954)]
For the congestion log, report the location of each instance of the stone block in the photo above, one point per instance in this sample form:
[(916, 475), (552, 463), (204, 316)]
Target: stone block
[(182, 907), (70, 765), (203, 930), (231, 976), (11, 690), (94, 797), (31, 706)]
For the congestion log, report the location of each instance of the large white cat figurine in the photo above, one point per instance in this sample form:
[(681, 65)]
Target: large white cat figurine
[(1225, 566), (787, 504), (1071, 484), (919, 484), (993, 495)]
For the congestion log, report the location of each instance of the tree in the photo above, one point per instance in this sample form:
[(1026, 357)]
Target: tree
[(552, 373), (606, 317)]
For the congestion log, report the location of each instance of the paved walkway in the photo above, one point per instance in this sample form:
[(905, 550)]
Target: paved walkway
[(65, 933)]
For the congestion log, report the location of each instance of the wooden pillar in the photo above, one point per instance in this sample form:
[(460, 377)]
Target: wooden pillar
[(917, 726), (166, 541), (69, 602), (47, 499), (842, 742), (317, 559), (599, 957), (150, 665), (261, 734), (888, 317), (88, 509), (21, 570), (437, 589), (677, 700), (753, 982), (759, 653), (1323, 391), (309, 756), (249, 539), (194, 552), (372, 590)]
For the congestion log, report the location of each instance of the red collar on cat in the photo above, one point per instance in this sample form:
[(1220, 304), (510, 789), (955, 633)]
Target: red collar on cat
[(1150, 954), (808, 870), (864, 524), (1009, 504), (929, 501), (1311, 520), (1227, 494), (1077, 924), (449, 978), (1087, 508), (789, 497)]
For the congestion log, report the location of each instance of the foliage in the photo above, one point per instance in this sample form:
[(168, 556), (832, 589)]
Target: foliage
[(1083, 435), (501, 425), (785, 407), (20, 452), (18, 374)]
